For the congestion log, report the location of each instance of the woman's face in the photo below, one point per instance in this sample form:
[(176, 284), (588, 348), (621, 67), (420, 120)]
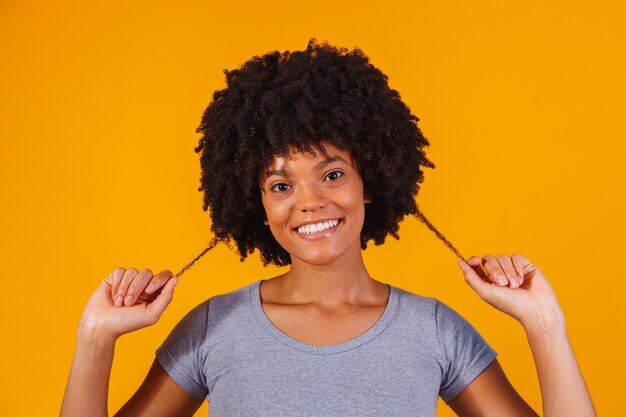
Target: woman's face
[(315, 206)]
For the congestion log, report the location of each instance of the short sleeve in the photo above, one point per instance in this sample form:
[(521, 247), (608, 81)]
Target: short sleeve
[(466, 354), (181, 352)]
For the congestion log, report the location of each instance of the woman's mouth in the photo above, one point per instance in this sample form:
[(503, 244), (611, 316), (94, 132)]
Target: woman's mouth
[(312, 228)]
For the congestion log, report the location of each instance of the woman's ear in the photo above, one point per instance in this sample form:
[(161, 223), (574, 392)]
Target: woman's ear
[(367, 199), (266, 222)]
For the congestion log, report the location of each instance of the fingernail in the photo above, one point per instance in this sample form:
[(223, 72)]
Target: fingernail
[(461, 265), (150, 288), (128, 300), (501, 280), (118, 300)]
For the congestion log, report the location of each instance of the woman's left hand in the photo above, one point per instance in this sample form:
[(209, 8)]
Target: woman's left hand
[(513, 285)]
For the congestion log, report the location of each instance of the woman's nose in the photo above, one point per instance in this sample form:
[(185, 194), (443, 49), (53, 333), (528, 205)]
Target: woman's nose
[(311, 198)]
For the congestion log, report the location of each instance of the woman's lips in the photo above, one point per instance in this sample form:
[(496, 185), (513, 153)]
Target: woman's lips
[(318, 230)]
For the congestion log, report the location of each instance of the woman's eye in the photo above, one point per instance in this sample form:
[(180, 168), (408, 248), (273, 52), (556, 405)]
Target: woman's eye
[(333, 175), (280, 187)]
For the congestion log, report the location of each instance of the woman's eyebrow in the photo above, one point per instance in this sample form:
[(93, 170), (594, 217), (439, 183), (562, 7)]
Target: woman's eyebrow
[(327, 161), (321, 165), (280, 172)]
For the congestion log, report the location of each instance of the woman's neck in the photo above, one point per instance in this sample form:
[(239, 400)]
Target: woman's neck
[(345, 281)]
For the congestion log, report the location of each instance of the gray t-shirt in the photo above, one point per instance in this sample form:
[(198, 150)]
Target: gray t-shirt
[(227, 351)]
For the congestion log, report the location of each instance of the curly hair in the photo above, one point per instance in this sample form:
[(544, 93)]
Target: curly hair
[(280, 101)]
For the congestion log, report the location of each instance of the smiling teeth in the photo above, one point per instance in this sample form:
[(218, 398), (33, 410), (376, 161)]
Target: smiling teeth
[(317, 227)]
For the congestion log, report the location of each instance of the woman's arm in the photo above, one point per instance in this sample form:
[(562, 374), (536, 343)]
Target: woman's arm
[(160, 395), (127, 300), (86, 392), (491, 394), (518, 288)]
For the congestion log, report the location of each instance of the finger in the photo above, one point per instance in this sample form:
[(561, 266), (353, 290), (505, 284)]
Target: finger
[(158, 281), (102, 293), (476, 263), (105, 286), (477, 283), (125, 282), (137, 286), (507, 265), (116, 278), (109, 278), (522, 265), (494, 270), (156, 308)]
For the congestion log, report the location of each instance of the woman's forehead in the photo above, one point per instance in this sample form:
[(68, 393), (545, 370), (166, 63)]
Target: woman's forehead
[(325, 151), (318, 157)]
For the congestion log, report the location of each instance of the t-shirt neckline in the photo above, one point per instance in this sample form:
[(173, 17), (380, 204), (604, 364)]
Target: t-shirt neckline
[(378, 327)]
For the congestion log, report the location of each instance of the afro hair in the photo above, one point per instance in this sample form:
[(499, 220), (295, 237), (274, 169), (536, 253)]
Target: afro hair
[(295, 100)]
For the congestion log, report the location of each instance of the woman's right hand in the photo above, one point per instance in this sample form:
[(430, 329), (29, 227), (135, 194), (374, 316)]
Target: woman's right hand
[(127, 300)]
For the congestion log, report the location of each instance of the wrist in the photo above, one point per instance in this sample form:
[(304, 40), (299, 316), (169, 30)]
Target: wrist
[(548, 319), (90, 333)]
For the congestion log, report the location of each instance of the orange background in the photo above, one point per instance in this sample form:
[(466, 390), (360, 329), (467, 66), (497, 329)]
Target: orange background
[(523, 104)]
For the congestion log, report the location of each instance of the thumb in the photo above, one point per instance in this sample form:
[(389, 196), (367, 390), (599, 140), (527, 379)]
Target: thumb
[(479, 285), (103, 292), (158, 306)]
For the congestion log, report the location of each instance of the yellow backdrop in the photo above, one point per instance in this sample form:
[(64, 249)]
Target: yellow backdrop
[(523, 104)]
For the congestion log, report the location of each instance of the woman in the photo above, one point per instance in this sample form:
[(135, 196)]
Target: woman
[(306, 157)]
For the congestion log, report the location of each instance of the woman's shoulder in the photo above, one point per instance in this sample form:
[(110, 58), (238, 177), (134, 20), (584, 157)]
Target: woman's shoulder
[(215, 312), (237, 295), (229, 302), (220, 304), (419, 303), (425, 307)]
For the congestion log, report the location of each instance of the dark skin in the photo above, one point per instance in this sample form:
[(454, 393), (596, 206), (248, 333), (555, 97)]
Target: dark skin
[(326, 297), (490, 394)]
